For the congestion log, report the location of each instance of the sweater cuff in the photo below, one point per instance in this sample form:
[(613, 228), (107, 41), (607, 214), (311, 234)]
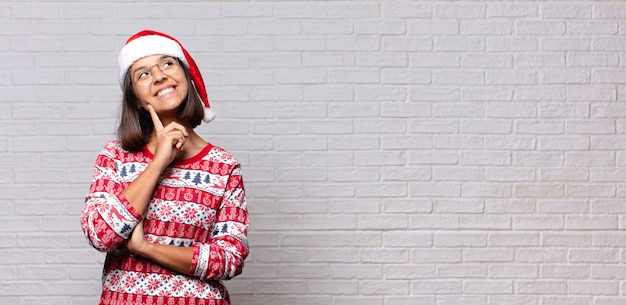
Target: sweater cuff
[(199, 261)]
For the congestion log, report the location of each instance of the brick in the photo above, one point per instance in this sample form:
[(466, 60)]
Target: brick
[(592, 27), (457, 110), (406, 9), (359, 300), (437, 27), (554, 239), (464, 78), (457, 206), (297, 143), (406, 44), (487, 94), (515, 300), (537, 255), (420, 126), (593, 59), (484, 222), (23, 288), (543, 27), (457, 240), (421, 287), (540, 60), (400, 272), (480, 158), (565, 272), (365, 110), (377, 59), (395, 287), (541, 287), (311, 26), (436, 189), (518, 44), (353, 43), (8, 273), (456, 299), (563, 206), (517, 143), (538, 222), (458, 142), (354, 10), (465, 270), (386, 222), (560, 44), (380, 27), (333, 255), (509, 174), (518, 271), (308, 271), (329, 191), (336, 287), (299, 11), (355, 271), (434, 222), (486, 27), (609, 11), (31, 11), (399, 76), (436, 255), (591, 222), (567, 11), (474, 286), (395, 205), (281, 287), (469, 11), (435, 60)]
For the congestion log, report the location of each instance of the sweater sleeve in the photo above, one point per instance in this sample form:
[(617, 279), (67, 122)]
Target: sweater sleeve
[(107, 218), (222, 257)]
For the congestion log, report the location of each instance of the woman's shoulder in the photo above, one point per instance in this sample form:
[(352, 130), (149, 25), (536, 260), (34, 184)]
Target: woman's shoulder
[(114, 148), (218, 154)]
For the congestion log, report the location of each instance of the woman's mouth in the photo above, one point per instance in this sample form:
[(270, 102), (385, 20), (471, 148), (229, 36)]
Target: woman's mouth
[(165, 91)]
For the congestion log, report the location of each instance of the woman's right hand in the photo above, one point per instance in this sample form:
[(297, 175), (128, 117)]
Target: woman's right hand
[(169, 139)]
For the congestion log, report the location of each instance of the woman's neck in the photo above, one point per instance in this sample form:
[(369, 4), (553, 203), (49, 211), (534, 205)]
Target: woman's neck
[(193, 145)]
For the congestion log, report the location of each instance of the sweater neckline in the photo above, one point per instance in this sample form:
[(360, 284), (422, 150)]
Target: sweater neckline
[(195, 158)]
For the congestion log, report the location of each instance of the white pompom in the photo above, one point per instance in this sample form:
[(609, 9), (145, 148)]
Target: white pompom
[(209, 115)]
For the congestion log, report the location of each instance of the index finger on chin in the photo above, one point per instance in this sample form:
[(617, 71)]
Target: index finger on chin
[(155, 118)]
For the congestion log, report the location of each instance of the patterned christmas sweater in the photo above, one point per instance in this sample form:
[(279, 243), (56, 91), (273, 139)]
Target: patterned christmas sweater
[(199, 202)]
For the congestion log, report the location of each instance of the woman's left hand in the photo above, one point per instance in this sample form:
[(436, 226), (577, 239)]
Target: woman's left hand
[(137, 242)]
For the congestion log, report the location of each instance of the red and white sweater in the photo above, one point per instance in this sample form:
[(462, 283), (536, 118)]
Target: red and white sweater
[(199, 202)]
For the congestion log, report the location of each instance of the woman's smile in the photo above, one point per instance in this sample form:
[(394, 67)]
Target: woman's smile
[(166, 92)]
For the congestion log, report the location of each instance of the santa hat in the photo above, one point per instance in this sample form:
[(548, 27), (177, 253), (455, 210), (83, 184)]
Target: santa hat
[(148, 42)]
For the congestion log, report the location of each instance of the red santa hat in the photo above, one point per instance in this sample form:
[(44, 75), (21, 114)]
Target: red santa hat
[(148, 42)]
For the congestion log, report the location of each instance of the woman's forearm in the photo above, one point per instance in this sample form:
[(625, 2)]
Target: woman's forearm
[(173, 257), (139, 192)]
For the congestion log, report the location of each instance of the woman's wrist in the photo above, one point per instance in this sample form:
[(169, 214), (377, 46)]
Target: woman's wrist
[(144, 250)]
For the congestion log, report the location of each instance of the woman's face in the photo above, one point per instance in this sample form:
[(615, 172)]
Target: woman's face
[(158, 80)]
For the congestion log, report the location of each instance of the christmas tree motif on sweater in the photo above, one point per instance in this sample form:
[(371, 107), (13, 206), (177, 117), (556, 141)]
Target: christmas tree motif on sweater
[(197, 179)]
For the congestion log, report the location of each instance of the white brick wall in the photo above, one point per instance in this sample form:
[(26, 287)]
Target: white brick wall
[(395, 153)]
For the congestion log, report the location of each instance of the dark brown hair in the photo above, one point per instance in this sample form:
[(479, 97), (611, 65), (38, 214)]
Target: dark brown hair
[(135, 122)]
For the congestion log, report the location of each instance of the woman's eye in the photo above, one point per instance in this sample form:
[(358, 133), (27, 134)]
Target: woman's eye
[(142, 75)]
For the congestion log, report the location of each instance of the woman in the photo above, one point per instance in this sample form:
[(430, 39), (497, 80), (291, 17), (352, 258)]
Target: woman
[(168, 207)]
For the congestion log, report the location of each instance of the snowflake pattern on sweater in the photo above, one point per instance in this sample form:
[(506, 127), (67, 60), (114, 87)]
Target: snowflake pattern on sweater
[(199, 202)]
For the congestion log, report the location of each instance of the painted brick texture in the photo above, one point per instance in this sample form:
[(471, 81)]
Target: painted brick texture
[(394, 153)]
